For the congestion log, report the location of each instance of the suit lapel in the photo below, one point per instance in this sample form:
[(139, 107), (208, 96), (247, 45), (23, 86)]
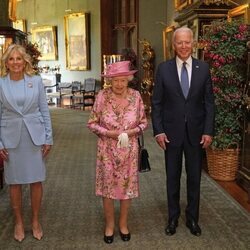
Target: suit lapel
[(29, 89), (29, 92), (176, 76), (7, 92), (195, 72), (193, 82)]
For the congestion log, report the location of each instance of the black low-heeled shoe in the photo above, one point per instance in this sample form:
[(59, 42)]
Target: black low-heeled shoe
[(171, 227), (194, 228), (125, 237), (108, 239)]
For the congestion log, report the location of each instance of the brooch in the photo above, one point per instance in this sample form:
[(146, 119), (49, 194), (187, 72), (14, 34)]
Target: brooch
[(30, 85)]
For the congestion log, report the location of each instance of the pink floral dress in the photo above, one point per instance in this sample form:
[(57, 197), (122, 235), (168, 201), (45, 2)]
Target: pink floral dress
[(117, 168)]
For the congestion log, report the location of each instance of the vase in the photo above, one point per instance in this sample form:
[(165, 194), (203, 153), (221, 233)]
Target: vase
[(222, 164)]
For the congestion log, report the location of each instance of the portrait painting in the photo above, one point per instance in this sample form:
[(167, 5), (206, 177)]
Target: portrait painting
[(45, 37), (77, 50), (20, 24), (77, 41), (167, 42)]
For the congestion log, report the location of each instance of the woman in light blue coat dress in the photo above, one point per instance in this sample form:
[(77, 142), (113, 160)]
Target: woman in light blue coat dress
[(25, 134)]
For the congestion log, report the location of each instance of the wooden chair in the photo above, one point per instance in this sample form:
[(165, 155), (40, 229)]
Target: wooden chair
[(89, 92), (64, 90), (51, 82), (84, 95), (51, 93), (77, 94)]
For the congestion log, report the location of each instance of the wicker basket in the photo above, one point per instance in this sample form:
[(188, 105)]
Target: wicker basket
[(222, 164)]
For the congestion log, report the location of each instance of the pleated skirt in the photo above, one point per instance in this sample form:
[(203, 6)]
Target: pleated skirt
[(26, 164)]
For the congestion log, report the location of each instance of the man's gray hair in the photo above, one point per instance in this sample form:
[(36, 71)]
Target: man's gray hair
[(182, 29)]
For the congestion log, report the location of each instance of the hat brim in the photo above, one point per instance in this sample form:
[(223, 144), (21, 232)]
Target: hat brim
[(127, 73)]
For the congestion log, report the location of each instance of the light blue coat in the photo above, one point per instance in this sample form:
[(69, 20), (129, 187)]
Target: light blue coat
[(35, 114)]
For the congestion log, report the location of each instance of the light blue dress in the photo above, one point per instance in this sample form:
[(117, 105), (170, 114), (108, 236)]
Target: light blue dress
[(25, 164)]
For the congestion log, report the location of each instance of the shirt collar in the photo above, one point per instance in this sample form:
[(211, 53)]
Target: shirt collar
[(180, 62)]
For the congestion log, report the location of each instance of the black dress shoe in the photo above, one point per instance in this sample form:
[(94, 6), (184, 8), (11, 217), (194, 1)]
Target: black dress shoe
[(193, 227), (171, 228), (125, 237), (108, 239)]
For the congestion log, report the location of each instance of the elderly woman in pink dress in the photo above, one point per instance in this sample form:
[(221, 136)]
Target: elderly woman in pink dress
[(117, 118)]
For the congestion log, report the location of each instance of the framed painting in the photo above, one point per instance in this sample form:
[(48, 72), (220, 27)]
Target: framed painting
[(180, 4), (77, 39), (12, 10), (45, 37), (20, 24), (242, 11), (167, 42)]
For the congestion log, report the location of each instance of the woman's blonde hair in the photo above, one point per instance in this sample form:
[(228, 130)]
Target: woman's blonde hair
[(28, 69)]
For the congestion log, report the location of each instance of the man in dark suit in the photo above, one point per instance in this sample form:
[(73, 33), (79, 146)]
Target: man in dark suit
[(183, 123)]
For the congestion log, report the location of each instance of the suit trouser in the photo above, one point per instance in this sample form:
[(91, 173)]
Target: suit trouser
[(193, 165)]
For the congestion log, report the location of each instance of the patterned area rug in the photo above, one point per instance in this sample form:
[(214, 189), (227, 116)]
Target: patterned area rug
[(72, 216)]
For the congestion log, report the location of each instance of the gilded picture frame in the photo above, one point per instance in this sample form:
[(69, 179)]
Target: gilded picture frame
[(167, 35), (46, 38), (180, 4), (242, 11), (20, 24), (77, 41), (12, 10)]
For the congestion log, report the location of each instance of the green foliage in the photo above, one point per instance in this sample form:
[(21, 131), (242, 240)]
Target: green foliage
[(224, 48), (33, 50), (130, 55)]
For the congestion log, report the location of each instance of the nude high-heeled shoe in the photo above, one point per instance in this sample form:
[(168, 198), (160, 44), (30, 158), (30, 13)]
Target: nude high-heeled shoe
[(37, 232), (19, 233)]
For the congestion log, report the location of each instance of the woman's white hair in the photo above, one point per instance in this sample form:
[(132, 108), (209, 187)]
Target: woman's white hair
[(129, 77)]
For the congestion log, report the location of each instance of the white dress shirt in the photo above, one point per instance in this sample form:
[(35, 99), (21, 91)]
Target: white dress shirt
[(179, 64)]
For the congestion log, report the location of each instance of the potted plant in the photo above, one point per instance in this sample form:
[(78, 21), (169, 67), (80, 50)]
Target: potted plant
[(224, 46)]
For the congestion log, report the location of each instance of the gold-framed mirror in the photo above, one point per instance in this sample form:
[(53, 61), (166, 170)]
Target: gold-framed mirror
[(77, 41)]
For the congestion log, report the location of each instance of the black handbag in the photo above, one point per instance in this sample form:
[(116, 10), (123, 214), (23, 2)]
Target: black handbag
[(143, 164)]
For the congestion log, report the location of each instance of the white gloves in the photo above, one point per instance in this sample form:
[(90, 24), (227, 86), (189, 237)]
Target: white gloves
[(122, 140)]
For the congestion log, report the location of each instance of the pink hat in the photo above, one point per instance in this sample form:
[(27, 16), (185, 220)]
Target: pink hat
[(118, 69)]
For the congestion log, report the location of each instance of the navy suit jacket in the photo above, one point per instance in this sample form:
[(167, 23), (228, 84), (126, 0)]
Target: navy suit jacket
[(172, 112), (35, 113)]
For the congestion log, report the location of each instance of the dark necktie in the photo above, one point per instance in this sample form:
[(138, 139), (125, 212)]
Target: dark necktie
[(184, 80)]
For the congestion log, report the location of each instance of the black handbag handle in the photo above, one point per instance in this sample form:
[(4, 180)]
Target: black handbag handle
[(141, 142)]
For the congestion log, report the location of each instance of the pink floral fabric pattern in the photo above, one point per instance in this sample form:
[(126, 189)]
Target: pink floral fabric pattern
[(117, 168)]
